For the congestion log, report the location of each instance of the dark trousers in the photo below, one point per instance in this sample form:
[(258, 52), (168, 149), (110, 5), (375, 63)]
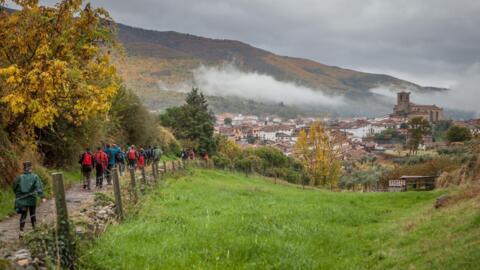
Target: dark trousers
[(108, 174), (99, 175), (23, 216), (132, 163), (87, 174)]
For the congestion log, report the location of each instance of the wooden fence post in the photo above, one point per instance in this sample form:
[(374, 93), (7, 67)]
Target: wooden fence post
[(144, 176), (173, 165), (153, 171), (65, 243), (164, 167), (118, 195), (133, 186)]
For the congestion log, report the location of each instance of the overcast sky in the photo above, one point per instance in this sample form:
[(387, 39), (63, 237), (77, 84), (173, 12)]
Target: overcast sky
[(431, 42)]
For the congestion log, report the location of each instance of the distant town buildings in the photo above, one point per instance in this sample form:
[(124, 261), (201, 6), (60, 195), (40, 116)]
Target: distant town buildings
[(405, 108), (355, 137)]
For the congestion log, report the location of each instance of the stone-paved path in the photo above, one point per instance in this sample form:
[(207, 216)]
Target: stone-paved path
[(76, 198)]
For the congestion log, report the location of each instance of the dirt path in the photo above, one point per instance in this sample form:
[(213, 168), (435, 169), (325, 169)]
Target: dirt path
[(77, 199)]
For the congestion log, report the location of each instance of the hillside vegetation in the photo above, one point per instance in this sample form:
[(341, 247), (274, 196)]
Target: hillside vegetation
[(170, 58), (214, 219)]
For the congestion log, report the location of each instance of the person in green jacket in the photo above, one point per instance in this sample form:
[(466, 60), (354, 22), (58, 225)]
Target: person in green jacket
[(157, 153), (27, 187)]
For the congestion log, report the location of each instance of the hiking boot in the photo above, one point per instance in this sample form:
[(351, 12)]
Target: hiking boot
[(21, 234)]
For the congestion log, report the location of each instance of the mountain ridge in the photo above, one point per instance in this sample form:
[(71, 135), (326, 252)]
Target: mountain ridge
[(188, 51)]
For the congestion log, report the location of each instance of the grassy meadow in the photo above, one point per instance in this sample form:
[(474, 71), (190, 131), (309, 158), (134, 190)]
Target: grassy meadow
[(218, 220)]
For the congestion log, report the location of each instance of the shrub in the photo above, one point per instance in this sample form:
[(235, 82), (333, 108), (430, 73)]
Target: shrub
[(458, 134), (435, 167), (222, 161)]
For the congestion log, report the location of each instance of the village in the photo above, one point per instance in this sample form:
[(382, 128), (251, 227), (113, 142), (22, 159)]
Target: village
[(356, 137)]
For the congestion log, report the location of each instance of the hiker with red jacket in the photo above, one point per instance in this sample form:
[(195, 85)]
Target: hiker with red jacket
[(132, 156), (141, 159), (101, 164), (87, 162)]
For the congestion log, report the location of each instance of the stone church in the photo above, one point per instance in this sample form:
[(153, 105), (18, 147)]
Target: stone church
[(405, 108)]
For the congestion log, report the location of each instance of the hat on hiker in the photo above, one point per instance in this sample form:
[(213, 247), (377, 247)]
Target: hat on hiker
[(27, 166)]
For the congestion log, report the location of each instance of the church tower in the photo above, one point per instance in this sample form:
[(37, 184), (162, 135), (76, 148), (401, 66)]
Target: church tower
[(403, 102)]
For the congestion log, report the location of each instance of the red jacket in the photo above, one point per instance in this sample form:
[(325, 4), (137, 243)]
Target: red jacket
[(101, 158)]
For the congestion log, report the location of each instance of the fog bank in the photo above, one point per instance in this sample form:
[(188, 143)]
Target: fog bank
[(229, 81), (464, 94)]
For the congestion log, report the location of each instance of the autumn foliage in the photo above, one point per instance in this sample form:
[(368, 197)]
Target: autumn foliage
[(54, 65), (316, 151), (59, 91)]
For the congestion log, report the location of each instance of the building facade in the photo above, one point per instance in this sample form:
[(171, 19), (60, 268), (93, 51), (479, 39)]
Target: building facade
[(405, 108)]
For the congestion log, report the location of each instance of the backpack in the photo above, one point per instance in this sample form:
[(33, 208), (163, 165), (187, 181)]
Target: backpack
[(99, 158), (132, 155), (119, 157), (24, 188), (87, 159)]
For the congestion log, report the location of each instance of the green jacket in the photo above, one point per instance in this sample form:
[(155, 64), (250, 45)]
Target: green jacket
[(27, 187), (157, 154)]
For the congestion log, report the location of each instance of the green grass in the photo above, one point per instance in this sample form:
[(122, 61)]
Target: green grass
[(6, 203), (220, 220), (72, 176)]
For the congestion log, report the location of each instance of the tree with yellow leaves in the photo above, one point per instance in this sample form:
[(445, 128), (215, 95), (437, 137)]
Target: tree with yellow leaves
[(318, 155), (54, 65)]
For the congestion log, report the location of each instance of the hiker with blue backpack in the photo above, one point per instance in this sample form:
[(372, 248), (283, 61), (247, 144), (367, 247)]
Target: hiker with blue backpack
[(111, 152), (120, 160)]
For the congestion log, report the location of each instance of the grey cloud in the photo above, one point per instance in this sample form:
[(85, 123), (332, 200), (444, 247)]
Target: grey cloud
[(433, 42), (229, 81)]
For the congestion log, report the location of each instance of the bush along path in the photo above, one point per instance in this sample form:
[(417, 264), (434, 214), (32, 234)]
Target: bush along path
[(89, 213)]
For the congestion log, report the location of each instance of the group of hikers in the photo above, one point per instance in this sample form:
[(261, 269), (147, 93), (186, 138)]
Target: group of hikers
[(190, 154), (105, 159), (28, 186)]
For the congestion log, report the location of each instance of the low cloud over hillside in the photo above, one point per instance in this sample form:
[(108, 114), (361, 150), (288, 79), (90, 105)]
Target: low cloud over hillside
[(229, 81), (463, 95)]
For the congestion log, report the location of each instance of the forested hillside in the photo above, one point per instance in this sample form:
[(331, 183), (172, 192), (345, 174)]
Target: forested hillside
[(158, 60), (176, 53)]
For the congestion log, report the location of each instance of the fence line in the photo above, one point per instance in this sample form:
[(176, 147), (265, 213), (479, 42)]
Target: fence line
[(64, 237)]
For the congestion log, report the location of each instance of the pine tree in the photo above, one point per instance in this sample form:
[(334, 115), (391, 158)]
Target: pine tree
[(192, 123)]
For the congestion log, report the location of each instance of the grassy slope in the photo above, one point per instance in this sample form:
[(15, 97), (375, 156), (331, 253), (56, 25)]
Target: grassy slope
[(214, 219)]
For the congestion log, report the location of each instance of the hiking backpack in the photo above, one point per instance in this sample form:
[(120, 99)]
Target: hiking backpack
[(132, 155), (119, 157), (87, 160)]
